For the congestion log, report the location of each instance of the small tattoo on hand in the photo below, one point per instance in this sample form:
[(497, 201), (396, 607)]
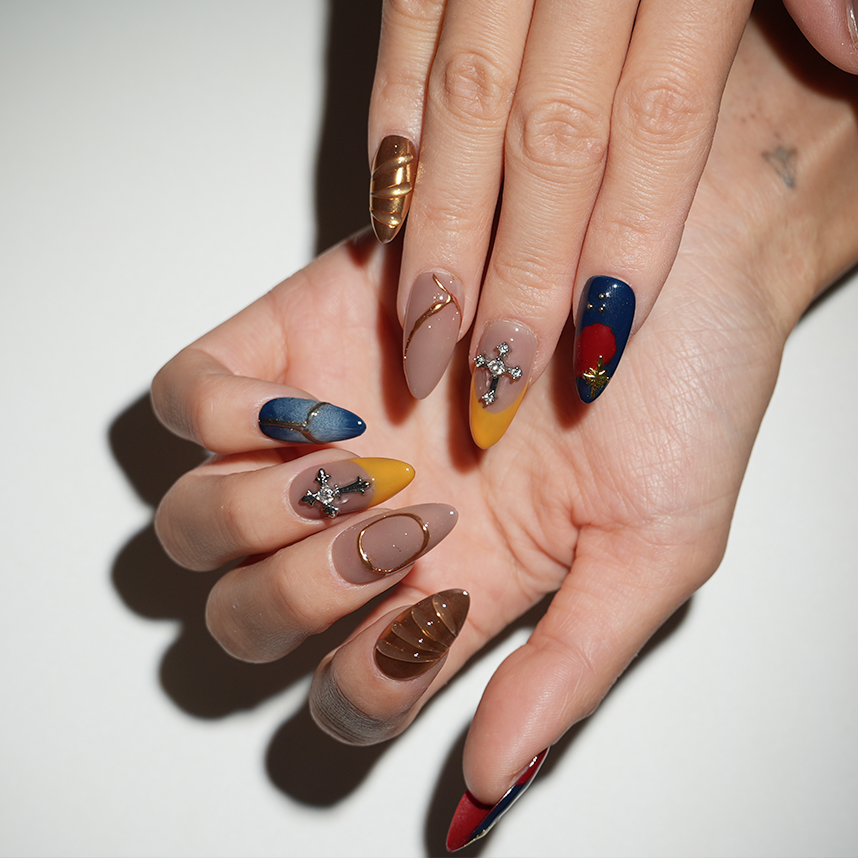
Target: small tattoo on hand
[(782, 161)]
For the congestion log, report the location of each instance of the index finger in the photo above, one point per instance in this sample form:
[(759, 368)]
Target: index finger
[(205, 394)]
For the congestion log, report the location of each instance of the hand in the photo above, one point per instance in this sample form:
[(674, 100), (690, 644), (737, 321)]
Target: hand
[(587, 127), (623, 509)]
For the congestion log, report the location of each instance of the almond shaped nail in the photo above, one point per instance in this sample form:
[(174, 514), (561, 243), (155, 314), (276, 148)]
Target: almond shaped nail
[(604, 321), (421, 635), (391, 186), (348, 485), (308, 421), (391, 542), (432, 323), (501, 374), (473, 819)]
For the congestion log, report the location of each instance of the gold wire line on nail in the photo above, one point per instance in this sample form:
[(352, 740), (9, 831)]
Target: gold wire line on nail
[(391, 184), (365, 558), (433, 310), (303, 428)]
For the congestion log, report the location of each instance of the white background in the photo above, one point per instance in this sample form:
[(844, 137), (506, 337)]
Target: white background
[(162, 165)]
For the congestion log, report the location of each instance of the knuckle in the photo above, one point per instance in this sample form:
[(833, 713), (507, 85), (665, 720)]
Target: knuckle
[(201, 411), (559, 135), (340, 717), (299, 610), (239, 526), (473, 87), (397, 87), (668, 108), (526, 275), (420, 10), (636, 232)]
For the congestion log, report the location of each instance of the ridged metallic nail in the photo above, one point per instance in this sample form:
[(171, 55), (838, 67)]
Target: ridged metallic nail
[(421, 635), (391, 185)]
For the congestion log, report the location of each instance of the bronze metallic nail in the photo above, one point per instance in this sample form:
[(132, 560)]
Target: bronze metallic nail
[(421, 635), (393, 172)]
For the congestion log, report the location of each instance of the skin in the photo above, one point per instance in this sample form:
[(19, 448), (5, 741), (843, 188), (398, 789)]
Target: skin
[(621, 509), (558, 141)]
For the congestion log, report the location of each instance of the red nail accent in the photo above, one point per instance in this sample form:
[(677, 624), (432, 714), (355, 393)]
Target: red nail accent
[(473, 819)]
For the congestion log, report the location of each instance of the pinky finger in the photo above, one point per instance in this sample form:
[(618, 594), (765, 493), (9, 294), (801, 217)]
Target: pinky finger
[(198, 398)]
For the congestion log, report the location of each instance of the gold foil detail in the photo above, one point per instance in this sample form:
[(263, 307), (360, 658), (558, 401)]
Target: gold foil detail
[(303, 427), (596, 377), (433, 310), (367, 561), (391, 185)]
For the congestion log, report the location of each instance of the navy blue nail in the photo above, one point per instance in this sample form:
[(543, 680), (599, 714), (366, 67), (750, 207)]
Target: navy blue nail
[(604, 321), (308, 421)]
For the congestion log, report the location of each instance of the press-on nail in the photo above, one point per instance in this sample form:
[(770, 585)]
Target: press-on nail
[(391, 185), (501, 374), (421, 635), (391, 542), (432, 323), (604, 322), (473, 819), (348, 485), (308, 421)]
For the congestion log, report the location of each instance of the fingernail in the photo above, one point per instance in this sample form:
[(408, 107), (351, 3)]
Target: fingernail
[(501, 375), (432, 323), (391, 185), (473, 819), (852, 22), (421, 635), (308, 421), (391, 542), (604, 321), (348, 485)]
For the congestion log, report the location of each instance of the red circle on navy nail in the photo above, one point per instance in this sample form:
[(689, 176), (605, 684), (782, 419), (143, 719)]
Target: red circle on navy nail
[(596, 341)]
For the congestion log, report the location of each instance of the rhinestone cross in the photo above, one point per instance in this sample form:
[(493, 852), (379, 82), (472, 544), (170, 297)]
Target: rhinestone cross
[(497, 368), (328, 494)]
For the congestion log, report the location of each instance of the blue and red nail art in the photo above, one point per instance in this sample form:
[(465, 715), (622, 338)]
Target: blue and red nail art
[(473, 819), (604, 321)]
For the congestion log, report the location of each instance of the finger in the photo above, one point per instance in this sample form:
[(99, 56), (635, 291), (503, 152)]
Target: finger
[(663, 120), (831, 27), (409, 33), (604, 612), (556, 144), (366, 691), (471, 86), (197, 397), (212, 515), (261, 611)]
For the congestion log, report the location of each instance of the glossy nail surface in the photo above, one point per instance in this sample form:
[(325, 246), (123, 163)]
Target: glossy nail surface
[(421, 635), (391, 542), (473, 819), (604, 321), (391, 186), (501, 374), (308, 421), (432, 323), (348, 485)]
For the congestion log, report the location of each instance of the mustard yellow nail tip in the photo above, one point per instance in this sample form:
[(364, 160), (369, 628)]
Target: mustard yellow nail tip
[(388, 476), (488, 427)]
